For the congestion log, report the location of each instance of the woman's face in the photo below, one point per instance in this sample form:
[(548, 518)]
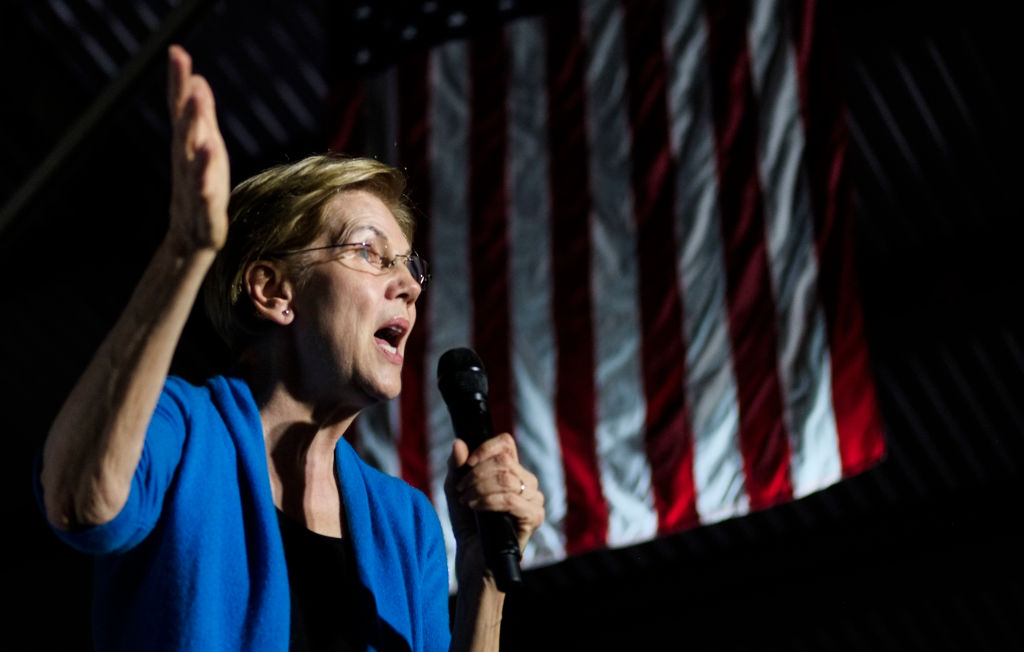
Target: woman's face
[(352, 319)]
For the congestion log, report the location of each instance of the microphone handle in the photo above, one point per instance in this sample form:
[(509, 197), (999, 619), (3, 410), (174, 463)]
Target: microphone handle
[(472, 422)]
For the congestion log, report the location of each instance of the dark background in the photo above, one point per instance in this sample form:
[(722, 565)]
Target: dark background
[(921, 553)]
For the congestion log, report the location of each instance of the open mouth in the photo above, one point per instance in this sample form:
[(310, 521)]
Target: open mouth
[(390, 337)]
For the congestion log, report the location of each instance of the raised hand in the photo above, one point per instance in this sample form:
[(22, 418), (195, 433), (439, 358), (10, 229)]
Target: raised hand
[(200, 173), (96, 441)]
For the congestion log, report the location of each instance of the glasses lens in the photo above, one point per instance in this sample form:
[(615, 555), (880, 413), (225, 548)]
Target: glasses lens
[(376, 252), (419, 270), (368, 254), (373, 254)]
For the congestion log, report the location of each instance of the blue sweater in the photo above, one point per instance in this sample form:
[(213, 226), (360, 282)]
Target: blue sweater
[(194, 560)]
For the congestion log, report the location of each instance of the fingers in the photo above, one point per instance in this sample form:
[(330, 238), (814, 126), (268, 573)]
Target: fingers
[(179, 68), (493, 467), (199, 160), (492, 479), (463, 523), (460, 453), (456, 465), (498, 474), (503, 443), (195, 124), (505, 492), (191, 104)]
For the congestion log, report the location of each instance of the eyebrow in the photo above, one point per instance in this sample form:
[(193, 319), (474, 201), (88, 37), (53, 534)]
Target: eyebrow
[(368, 227), (347, 233)]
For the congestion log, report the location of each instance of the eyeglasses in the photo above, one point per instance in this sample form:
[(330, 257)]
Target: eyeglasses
[(374, 256)]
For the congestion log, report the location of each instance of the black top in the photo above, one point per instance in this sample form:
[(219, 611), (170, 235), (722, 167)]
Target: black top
[(323, 582)]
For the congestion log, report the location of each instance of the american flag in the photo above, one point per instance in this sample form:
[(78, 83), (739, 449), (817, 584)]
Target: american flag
[(638, 213)]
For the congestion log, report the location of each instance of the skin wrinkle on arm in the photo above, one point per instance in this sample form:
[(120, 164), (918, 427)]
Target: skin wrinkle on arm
[(478, 613), (96, 440)]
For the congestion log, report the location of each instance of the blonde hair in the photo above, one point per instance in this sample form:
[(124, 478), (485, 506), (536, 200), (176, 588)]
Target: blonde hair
[(284, 208)]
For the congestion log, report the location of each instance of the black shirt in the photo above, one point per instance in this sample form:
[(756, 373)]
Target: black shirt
[(323, 583)]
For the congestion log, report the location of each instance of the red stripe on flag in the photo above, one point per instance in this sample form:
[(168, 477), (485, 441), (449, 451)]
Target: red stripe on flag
[(586, 519), (858, 420), (413, 453), (488, 208), (763, 439), (668, 436)]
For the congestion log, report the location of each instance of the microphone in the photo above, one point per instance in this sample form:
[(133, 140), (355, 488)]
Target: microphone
[(463, 384)]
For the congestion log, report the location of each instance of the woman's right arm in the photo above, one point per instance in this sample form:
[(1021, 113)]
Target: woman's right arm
[(96, 440)]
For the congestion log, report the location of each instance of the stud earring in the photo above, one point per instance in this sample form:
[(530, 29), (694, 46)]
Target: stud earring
[(286, 312)]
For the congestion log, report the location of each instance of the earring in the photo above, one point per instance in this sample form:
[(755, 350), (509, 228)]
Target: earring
[(286, 312)]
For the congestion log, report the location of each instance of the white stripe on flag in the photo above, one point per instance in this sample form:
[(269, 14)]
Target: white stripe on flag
[(450, 306), (533, 345), (621, 404), (711, 387), (803, 358)]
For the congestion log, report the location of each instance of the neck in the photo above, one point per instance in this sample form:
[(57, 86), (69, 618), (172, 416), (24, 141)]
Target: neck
[(291, 423), (300, 436), (289, 409)]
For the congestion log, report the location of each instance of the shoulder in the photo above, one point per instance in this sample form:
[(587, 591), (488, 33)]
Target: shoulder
[(220, 402), (214, 386), (182, 402), (186, 395), (226, 397), (176, 406)]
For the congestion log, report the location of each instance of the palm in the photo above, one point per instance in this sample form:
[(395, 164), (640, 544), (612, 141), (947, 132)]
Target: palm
[(199, 160)]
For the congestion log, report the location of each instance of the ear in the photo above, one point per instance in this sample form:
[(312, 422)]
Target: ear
[(271, 293)]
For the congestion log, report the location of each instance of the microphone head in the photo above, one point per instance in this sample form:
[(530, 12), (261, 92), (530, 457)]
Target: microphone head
[(460, 372)]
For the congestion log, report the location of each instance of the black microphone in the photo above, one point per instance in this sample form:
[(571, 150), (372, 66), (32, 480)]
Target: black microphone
[(463, 384)]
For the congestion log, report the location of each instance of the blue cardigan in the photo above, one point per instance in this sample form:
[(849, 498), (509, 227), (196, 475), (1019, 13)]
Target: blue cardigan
[(194, 560)]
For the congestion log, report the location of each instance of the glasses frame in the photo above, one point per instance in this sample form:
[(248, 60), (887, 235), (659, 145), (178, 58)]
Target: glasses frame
[(423, 279)]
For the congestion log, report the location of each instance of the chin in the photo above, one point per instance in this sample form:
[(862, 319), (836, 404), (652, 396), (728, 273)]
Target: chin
[(382, 391), (393, 393)]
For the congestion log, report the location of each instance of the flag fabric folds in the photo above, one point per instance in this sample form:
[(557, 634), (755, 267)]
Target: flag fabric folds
[(638, 214)]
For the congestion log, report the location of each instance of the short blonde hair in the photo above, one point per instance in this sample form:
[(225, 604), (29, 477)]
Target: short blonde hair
[(284, 208)]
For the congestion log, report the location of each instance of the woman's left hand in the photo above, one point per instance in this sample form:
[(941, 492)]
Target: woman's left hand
[(491, 479)]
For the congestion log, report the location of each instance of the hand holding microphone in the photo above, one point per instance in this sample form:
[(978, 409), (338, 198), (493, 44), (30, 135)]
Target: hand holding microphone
[(504, 495)]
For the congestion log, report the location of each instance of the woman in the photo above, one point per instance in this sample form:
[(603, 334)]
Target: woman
[(234, 515)]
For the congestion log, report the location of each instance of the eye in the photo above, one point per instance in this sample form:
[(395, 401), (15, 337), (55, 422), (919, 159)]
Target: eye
[(373, 253)]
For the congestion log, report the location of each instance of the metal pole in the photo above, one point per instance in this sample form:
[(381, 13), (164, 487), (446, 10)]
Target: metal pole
[(154, 46)]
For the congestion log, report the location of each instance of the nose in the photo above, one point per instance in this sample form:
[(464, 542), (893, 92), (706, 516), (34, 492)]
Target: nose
[(402, 285)]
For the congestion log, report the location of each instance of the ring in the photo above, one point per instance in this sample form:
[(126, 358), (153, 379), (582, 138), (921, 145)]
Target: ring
[(522, 487)]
